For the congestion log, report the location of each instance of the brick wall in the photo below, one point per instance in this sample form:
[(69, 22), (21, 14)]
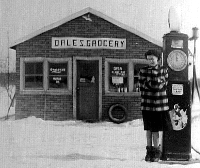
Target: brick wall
[(59, 107), (49, 107), (131, 103)]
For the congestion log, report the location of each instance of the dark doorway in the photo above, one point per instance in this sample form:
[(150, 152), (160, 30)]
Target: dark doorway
[(87, 90)]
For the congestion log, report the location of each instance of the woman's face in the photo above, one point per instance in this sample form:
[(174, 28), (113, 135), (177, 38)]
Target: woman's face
[(153, 60)]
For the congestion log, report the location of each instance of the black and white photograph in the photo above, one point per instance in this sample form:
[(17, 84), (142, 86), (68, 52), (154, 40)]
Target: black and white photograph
[(99, 84)]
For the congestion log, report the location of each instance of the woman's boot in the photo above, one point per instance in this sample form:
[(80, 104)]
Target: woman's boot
[(156, 154), (148, 156)]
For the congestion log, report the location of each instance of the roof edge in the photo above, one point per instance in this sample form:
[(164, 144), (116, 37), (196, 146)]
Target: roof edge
[(78, 14)]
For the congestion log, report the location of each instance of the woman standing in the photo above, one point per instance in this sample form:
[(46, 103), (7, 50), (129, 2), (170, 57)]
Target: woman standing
[(154, 103)]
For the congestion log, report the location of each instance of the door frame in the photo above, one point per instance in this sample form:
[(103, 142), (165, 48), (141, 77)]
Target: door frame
[(75, 59)]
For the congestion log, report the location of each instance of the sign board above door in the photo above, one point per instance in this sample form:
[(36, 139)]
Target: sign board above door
[(88, 43)]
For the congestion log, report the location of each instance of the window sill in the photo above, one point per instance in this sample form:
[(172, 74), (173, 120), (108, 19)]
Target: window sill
[(48, 92), (122, 93)]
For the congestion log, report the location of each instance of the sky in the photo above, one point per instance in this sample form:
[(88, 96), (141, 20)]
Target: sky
[(22, 17)]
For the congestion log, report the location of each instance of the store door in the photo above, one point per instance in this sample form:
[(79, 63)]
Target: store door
[(87, 90)]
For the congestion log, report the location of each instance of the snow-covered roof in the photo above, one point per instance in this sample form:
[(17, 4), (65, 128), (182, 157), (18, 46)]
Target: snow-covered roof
[(78, 14)]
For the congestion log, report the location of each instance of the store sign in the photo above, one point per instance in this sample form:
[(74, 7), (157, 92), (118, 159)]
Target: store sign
[(88, 43)]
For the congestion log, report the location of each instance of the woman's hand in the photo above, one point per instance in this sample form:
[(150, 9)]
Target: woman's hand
[(161, 80)]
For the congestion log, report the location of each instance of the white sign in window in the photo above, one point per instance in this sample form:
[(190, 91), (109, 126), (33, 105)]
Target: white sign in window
[(117, 80), (177, 89)]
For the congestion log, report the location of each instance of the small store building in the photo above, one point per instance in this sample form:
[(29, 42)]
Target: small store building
[(79, 67)]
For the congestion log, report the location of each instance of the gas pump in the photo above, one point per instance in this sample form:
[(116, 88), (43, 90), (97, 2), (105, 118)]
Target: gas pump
[(177, 142)]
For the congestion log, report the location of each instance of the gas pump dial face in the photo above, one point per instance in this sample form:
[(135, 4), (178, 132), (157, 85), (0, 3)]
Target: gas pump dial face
[(177, 60)]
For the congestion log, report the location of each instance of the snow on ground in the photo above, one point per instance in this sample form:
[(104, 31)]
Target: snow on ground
[(34, 143)]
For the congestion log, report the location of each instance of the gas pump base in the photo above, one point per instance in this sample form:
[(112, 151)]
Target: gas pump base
[(177, 141), (176, 157), (180, 162)]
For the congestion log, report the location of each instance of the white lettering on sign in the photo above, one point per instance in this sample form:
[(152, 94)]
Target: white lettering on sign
[(118, 71), (177, 89), (57, 70), (88, 43)]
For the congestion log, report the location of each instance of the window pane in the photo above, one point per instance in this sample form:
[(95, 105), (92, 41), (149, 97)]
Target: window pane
[(29, 68), (34, 75), (118, 77), (58, 75), (39, 68), (33, 82), (137, 68), (34, 68)]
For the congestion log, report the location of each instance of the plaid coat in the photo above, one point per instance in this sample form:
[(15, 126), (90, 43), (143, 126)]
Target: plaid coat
[(153, 85)]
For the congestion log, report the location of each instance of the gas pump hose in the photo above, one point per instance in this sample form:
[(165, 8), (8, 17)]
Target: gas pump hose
[(195, 83)]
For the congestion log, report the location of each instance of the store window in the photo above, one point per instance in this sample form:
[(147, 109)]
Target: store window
[(122, 75), (34, 75), (49, 75)]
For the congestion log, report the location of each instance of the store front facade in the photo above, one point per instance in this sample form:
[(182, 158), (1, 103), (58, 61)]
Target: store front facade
[(79, 67)]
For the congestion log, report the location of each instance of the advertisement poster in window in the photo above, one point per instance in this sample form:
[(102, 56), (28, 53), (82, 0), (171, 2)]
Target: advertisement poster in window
[(58, 75)]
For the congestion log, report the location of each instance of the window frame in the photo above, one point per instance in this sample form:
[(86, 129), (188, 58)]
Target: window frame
[(130, 75), (45, 89)]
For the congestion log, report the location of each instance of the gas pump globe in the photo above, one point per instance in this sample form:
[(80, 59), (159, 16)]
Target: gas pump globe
[(177, 142)]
